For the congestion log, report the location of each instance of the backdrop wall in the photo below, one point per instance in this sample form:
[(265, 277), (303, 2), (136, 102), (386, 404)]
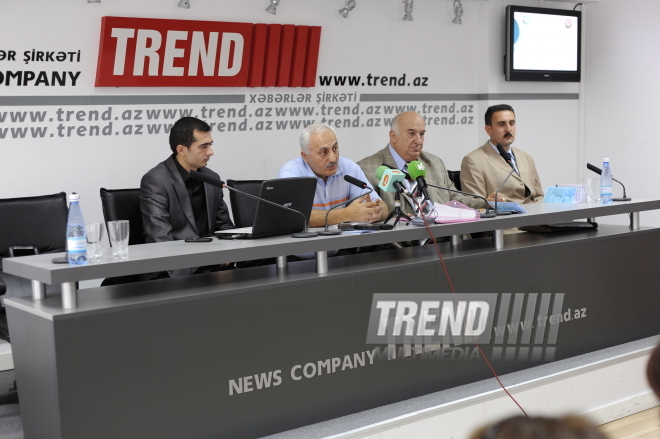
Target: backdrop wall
[(49, 143)]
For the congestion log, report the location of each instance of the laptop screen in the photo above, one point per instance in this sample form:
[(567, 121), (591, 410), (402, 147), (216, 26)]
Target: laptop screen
[(268, 220)]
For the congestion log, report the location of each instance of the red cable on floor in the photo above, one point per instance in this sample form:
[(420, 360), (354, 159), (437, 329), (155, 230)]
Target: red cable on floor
[(451, 286)]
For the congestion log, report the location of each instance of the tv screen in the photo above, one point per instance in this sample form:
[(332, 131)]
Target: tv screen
[(542, 44)]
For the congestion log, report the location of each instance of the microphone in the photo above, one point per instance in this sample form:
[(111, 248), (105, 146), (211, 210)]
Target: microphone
[(599, 172), (221, 184), (392, 167), (417, 172), (497, 193), (488, 213), (355, 182), (390, 180), (505, 155)]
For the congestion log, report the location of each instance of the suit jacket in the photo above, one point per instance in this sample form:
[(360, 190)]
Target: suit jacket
[(483, 171), (436, 174), (167, 213)]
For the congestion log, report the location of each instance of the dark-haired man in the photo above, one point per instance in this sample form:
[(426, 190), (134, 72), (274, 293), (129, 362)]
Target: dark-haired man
[(483, 170), (174, 205)]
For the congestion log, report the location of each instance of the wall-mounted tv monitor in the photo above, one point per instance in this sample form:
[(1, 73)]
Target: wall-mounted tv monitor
[(542, 44)]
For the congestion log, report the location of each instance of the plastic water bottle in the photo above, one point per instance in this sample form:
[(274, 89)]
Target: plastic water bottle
[(606, 183), (76, 241)]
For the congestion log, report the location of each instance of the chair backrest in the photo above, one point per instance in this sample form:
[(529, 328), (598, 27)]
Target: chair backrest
[(124, 204), (37, 221), (244, 208), (455, 176)]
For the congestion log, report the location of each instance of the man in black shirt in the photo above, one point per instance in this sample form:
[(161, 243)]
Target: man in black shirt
[(174, 205)]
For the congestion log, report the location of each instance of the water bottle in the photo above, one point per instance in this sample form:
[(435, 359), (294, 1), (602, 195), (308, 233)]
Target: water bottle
[(606, 183), (76, 241)]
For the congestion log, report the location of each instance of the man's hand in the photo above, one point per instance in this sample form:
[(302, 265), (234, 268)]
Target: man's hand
[(364, 210), (360, 210), (491, 197)]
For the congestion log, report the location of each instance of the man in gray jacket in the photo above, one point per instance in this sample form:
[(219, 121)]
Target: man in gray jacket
[(407, 133), (174, 205)]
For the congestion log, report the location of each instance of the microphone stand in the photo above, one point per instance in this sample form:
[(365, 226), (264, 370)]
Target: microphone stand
[(327, 232), (599, 172), (497, 193), (397, 212), (488, 213)]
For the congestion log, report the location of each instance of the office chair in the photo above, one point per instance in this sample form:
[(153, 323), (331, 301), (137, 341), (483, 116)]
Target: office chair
[(28, 226), (243, 208), (455, 177), (123, 204)]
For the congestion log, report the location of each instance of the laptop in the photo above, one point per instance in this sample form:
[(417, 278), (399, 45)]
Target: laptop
[(295, 193)]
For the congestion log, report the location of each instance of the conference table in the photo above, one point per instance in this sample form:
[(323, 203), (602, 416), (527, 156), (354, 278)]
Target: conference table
[(255, 351)]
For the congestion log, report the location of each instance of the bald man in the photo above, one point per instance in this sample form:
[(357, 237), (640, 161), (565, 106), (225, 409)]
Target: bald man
[(319, 157), (406, 137)]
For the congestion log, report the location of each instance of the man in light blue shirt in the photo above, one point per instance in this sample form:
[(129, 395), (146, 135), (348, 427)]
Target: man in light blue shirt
[(319, 157)]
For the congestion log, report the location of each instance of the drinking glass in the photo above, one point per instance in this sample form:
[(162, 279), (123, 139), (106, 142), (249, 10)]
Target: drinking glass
[(593, 189), (118, 232), (94, 234)]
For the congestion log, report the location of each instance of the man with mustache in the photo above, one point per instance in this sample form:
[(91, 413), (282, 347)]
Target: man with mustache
[(483, 170), (406, 140), (319, 157)]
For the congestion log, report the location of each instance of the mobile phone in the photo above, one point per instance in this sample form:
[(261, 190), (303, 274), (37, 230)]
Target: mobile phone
[(199, 239), (367, 227), (345, 226), (374, 227)]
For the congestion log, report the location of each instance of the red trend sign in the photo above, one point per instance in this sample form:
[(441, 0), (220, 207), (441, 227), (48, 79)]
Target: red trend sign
[(149, 52)]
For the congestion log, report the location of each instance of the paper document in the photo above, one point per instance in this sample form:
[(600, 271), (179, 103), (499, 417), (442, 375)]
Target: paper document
[(446, 214)]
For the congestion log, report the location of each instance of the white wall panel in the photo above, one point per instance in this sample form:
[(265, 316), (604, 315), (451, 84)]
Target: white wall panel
[(621, 96), (462, 60)]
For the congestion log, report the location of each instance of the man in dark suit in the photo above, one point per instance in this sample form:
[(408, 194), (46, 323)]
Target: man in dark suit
[(174, 205)]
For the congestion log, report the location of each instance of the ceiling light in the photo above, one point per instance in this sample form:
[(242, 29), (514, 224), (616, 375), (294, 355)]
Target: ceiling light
[(272, 8), (185, 4), (458, 12), (350, 5), (408, 8)]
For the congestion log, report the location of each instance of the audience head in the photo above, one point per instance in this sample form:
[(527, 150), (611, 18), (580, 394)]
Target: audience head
[(653, 371), (521, 427), (407, 135), (320, 150)]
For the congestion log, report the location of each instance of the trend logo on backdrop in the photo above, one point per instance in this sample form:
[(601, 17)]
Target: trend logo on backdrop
[(148, 52)]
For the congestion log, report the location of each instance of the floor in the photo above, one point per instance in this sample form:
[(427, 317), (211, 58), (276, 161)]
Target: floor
[(641, 425)]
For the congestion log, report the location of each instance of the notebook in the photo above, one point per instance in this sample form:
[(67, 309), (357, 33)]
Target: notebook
[(507, 206)]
